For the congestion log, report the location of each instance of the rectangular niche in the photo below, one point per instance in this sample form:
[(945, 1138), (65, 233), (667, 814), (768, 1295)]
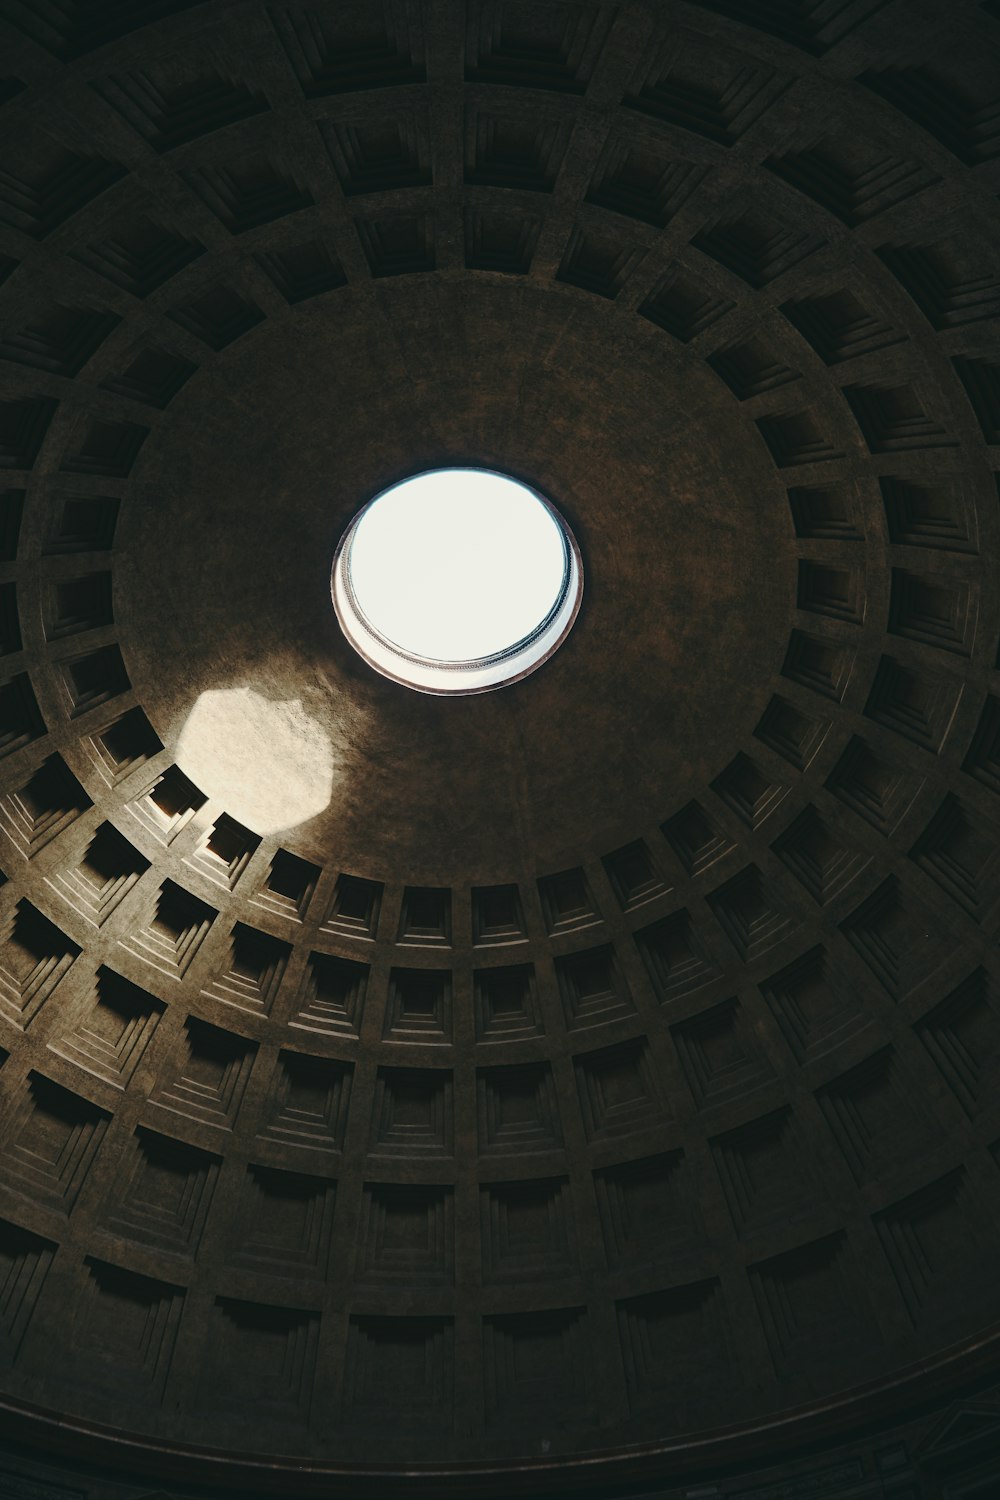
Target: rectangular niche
[(877, 790), (225, 852), (506, 1003), (567, 901), (917, 704), (11, 512), (139, 255), (536, 1370), (618, 1090), (285, 1223), (939, 1251), (381, 157), (962, 1036), (303, 270), (897, 938), (720, 1055), (174, 930), (500, 242), (154, 376), (648, 1210), (10, 625), (20, 717), (940, 516), (744, 788), (289, 886), (419, 1008), (163, 1196), (398, 246), (110, 868), (642, 181), (815, 1010), (750, 914), (178, 100), (527, 1230), (254, 970), (218, 315), (767, 1176), (675, 1345), (816, 857), (633, 875), (260, 1362), (399, 1373), (684, 305), (167, 807), (308, 1102), (125, 744), (810, 1305), (935, 609), (34, 957), (114, 1031), (425, 918), (354, 910), (983, 758), (826, 511), (873, 1116), (50, 800), (412, 1113), (407, 1234), (817, 663), (128, 1326), (74, 605), (23, 425), (25, 1259), (593, 988), (331, 996), (335, 52), (82, 523), (52, 1141), (497, 915), (95, 678), (208, 1080), (518, 1110), (106, 449), (695, 839)]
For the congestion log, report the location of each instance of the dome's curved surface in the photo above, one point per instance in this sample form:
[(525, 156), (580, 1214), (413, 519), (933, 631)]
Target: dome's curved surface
[(596, 1076)]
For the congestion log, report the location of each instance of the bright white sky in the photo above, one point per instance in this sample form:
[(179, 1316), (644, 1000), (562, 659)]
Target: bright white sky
[(457, 564)]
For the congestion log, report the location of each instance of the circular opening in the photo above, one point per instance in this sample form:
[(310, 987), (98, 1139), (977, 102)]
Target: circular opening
[(457, 581)]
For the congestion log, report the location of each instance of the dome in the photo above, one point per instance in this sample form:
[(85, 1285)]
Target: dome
[(593, 1084)]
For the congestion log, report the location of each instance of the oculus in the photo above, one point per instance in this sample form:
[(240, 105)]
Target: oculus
[(457, 581)]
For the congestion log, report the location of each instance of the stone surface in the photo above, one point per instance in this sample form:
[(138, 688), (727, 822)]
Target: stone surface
[(592, 1083)]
